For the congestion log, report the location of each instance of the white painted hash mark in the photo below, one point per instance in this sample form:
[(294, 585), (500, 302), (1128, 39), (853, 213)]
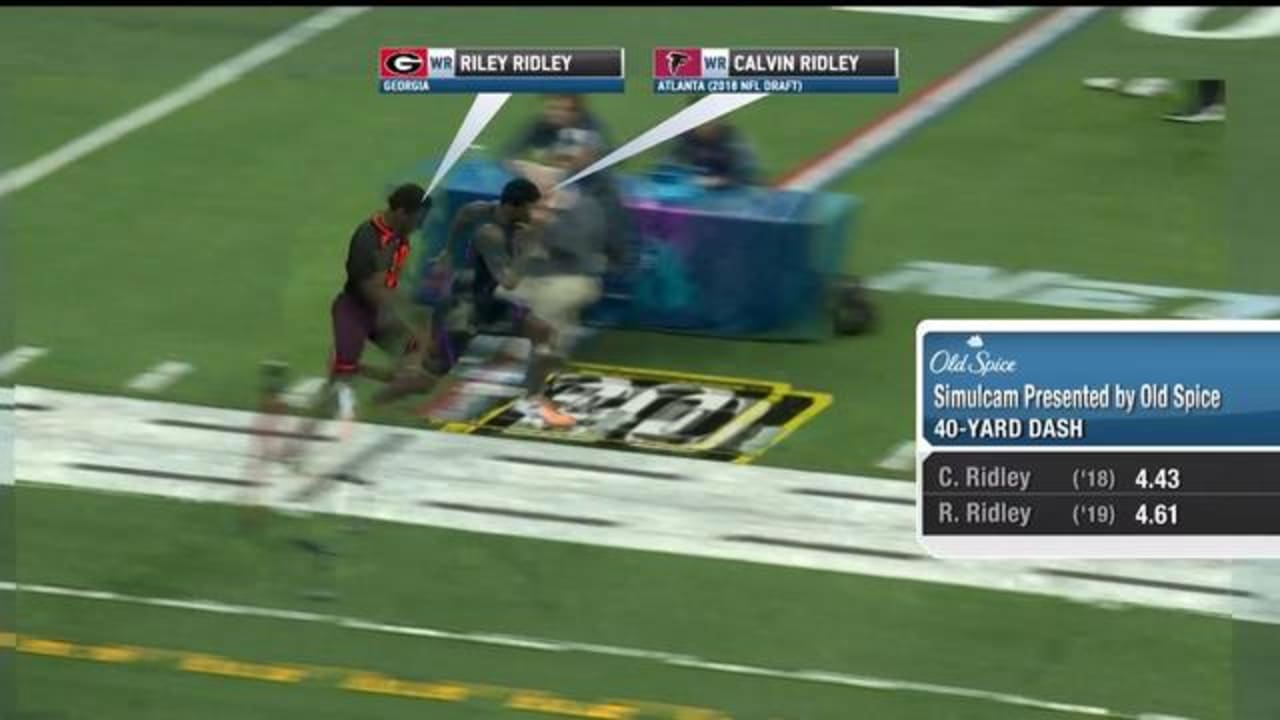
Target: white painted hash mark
[(159, 377), (16, 359), (902, 458), (303, 393)]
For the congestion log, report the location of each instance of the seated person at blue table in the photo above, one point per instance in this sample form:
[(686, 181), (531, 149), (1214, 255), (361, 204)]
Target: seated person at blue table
[(718, 152), (565, 121)]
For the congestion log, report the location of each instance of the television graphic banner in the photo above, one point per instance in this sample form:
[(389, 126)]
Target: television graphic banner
[(1098, 438)]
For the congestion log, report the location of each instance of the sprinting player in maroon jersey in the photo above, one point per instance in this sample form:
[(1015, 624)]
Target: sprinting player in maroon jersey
[(370, 309)]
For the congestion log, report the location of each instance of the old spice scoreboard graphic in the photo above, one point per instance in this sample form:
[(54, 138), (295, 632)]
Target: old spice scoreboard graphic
[(775, 70), (515, 70)]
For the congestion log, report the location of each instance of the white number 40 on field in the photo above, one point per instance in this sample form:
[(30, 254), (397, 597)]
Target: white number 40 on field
[(1179, 22)]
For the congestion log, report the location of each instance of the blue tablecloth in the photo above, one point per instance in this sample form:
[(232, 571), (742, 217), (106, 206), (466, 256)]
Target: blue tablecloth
[(739, 262)]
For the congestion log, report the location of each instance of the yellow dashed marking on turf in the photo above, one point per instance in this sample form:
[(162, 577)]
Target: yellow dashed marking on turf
[(53, 648), (548, 704), (524, 700), (214, 665), (368, 682), (114, 653)]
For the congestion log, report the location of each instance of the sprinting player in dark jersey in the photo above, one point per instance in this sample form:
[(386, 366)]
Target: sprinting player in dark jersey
[(502, 239), (370, 309), (564, 261)]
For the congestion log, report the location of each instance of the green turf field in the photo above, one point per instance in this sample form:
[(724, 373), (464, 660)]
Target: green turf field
[(215, 237), (1034, 173), (727, 612)]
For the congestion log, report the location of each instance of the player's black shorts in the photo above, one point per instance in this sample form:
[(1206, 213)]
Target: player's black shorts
[(495, 316), (354, 324), (489, 316)]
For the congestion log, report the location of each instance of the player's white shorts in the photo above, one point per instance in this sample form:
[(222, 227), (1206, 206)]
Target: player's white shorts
[(557, 300)]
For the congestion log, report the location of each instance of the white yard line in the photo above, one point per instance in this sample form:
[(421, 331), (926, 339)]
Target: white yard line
[(536, 644), (16, 359), (203, 85), (1066, 290), (937, 98), (159, 377), (515, 488), (997, 14)]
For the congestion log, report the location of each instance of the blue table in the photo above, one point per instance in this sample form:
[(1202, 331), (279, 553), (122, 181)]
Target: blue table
[(745, 262)]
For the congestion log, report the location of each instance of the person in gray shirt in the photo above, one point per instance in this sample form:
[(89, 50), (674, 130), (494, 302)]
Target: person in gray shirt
[(561, 259), (572, 239), (538, 264)]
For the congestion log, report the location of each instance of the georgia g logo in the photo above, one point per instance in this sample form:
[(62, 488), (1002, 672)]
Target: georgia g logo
[(404, 62)]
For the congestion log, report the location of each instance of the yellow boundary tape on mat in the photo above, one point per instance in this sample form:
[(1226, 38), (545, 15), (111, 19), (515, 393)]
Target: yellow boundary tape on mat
[(821, 401), (773, 385), (777, 392)]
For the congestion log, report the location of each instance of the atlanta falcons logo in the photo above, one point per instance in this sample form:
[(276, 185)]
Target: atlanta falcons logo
[(676, 60)]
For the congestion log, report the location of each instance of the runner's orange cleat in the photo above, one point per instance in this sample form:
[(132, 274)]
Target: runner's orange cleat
[(553, 417)]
